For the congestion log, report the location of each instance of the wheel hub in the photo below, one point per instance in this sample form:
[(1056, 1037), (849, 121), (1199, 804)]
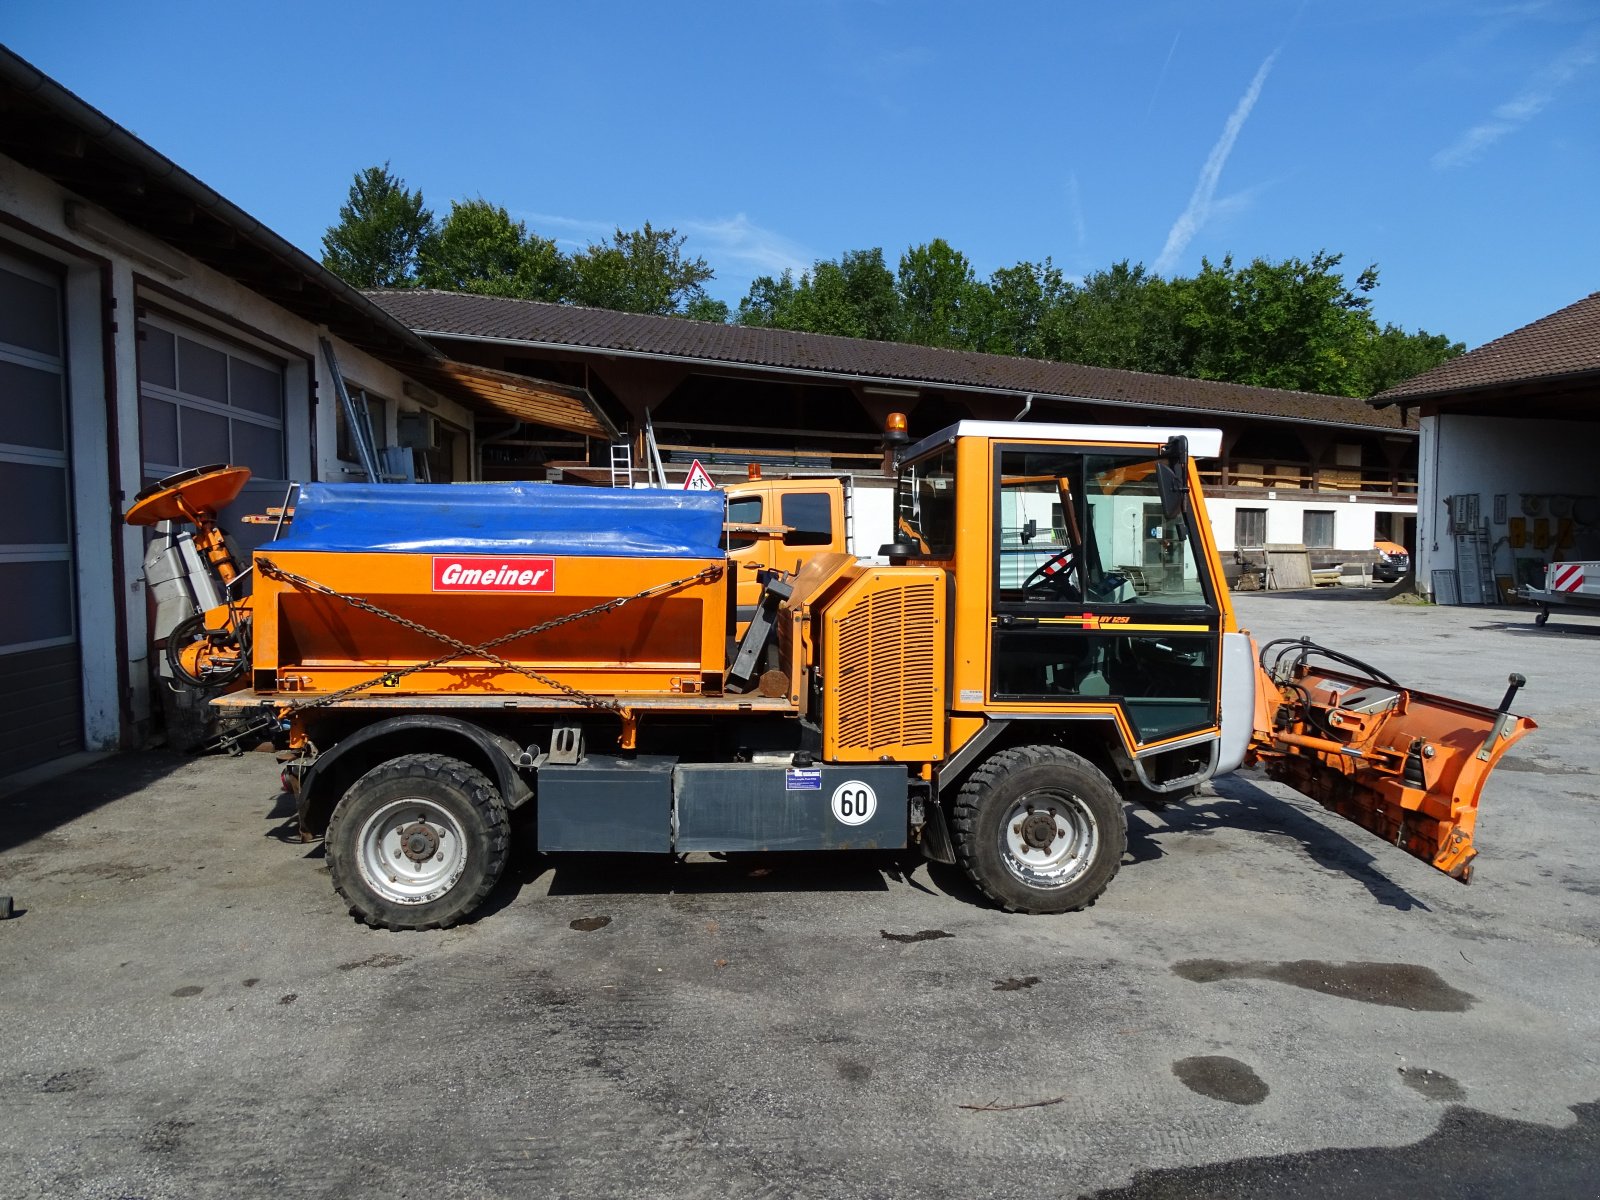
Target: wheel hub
[(1049, 839), (419, 841), (1039, 830)]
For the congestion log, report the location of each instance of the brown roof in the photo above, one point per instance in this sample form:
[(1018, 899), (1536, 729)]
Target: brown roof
[(1564, 344), (451, 314)]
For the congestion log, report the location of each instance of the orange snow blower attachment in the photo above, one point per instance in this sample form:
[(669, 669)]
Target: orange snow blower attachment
[(1404, 764), (192, 574)]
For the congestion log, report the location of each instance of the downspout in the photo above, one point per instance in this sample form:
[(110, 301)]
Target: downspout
[(515, 428)]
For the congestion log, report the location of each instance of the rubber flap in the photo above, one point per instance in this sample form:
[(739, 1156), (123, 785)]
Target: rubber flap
[(546, 518)]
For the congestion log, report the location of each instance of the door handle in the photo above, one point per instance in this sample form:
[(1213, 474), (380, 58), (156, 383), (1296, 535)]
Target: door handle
[(1008, 621)]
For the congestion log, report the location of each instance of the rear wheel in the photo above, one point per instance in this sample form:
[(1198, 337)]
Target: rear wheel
[(1039, 829), (418, 842)]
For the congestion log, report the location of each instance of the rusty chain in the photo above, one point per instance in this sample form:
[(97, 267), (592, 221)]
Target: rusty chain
[(462, 649)]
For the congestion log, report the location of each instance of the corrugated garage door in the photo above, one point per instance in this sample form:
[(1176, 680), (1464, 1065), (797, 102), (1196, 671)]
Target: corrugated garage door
[(203, 400), (41, 684)]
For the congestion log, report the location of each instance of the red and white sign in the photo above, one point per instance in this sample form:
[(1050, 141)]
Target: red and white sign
[(1566, 577), (456, 573), (699, 479)]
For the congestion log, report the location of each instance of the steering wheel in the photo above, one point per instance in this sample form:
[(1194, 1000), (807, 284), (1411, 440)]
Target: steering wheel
[(1056, 575)]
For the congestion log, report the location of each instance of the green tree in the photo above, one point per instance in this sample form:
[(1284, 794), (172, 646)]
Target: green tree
[(1393, 356), (382, 227), (1121, 317), (1291, 324), (643, 271), (1021, 298), (853, 296), (480, 248), (704, 308), (942, 302)]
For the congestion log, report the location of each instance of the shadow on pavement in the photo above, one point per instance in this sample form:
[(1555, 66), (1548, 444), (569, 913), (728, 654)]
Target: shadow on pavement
[(1557, 628), (659, 875), (1471, 1154), (1240, 804), (46, 806)]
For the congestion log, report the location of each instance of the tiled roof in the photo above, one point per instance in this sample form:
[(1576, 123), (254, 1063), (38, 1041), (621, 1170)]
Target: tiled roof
[(1564, 343), (448, 314)]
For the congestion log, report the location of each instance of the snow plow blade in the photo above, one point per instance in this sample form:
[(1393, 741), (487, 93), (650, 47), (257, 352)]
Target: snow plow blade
[(1404, 764)]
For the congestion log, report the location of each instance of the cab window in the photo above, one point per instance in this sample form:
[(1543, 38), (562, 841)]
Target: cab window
[(742, 510), (925, 504), (809, 516)]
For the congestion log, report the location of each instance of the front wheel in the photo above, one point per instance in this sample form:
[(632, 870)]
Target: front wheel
[(1039, 830), (418, 842)]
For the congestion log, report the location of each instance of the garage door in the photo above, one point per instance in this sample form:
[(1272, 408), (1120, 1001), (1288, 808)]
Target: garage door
[(41, 680), (204, 400)]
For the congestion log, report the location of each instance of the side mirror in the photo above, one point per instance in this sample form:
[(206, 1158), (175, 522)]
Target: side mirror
[(1030, 531), (1172, 476)]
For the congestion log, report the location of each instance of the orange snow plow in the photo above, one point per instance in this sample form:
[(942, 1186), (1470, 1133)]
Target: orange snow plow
[(1404, 764)]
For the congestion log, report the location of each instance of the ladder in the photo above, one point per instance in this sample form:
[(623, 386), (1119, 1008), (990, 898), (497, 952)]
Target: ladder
[(358, 418), (655, 474), (1474, 565), (621, 465)]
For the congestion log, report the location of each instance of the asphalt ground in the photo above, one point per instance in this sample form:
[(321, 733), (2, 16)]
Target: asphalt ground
[(1267, 1002)]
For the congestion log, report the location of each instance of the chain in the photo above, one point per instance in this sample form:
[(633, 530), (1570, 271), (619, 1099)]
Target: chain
[(461, 649)]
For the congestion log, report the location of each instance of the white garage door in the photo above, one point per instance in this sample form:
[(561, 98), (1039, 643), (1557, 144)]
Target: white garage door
[(41, 678)]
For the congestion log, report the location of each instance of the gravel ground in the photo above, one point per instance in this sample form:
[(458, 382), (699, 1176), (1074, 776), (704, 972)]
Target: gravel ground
[(1266, 1002)]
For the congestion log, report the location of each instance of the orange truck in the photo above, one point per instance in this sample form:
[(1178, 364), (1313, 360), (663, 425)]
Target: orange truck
[(1049, 636)]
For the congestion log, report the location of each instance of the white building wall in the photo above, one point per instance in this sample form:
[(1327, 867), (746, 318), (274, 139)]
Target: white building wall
[(1502, 456), (33, 217), (1354, 521)]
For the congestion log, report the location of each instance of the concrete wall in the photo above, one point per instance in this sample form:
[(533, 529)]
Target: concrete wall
[(1502, 456), (105, 286)]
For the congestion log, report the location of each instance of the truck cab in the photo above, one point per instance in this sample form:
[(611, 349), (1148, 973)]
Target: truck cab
[(1086, 555), (779, 524)]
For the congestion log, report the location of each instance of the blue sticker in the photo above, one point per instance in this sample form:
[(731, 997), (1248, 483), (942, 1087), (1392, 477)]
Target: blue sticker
[(802, 779)]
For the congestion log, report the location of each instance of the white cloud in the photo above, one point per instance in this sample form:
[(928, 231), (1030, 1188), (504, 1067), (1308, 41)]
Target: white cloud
[(734, 246), (738, 242), (1162, 75), (1201, 205), (1523, 107), (1075, 210), (573, 232)]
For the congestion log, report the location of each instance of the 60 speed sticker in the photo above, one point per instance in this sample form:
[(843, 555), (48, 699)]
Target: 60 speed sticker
[(854, 802)]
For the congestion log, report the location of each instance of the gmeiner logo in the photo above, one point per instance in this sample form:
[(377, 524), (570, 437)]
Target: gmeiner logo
[(505, 574)]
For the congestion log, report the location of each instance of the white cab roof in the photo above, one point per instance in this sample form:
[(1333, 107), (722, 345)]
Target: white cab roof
[(1203, 443)]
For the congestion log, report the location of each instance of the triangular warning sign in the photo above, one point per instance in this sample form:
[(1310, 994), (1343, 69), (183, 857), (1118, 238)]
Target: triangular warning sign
[(699, 480)]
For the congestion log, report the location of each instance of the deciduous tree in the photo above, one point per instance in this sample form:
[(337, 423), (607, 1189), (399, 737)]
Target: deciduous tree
[(642, 271), (480, 248)]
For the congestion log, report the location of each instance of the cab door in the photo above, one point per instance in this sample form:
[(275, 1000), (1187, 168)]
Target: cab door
[(1098, 598), (779, 524)]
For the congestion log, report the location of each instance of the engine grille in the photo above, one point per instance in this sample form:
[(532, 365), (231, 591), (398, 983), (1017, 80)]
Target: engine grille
[(884, 650)]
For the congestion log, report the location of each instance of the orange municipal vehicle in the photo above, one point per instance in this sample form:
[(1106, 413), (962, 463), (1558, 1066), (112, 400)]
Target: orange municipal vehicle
[(1050, 636)]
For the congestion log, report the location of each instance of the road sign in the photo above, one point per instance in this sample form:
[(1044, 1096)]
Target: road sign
[(698, 480)]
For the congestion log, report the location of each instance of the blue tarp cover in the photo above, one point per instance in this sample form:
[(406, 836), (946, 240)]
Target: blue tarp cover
[(535, 518)]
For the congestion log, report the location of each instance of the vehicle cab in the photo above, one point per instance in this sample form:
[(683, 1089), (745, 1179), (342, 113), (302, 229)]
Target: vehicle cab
[(1084, 583)]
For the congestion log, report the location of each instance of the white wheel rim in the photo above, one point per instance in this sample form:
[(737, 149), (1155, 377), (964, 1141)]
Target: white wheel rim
[(1048, 839), (411, 852)]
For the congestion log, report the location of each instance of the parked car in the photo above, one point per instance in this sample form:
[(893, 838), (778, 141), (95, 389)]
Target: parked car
[(1392, 563)]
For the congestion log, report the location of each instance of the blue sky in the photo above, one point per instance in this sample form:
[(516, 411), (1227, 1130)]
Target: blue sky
[(1455, 144)]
